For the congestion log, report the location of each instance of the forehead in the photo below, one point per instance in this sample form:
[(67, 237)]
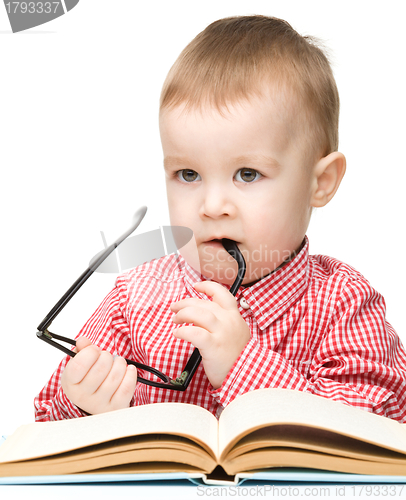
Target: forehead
[(255, 128), (275, 105)]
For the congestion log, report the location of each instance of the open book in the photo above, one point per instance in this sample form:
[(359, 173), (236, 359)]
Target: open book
[(262, 429)]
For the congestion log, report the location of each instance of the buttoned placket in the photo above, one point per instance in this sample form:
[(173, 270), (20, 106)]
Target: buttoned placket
[(244, 304)]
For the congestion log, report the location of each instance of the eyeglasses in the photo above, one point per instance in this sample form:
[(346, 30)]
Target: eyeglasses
[(181, 382)]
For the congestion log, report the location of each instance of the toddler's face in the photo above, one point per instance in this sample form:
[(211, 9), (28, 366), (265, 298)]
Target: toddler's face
[(241, 175)]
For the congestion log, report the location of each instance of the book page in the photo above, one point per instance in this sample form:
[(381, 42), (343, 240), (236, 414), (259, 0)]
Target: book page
[(264, 407), (167, 456), (288, 457), (313, 439), (49, 438)]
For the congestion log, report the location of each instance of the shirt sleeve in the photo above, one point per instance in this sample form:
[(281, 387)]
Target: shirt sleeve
[(359, 359), (108, 329)]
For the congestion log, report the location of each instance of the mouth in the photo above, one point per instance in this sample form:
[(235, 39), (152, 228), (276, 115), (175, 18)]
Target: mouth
[(217, 242), (214, 242)]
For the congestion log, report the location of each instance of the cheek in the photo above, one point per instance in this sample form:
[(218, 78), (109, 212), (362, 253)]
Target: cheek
[(279, 210), (175, 200), (296, 192), (181, 207), (298, 210)]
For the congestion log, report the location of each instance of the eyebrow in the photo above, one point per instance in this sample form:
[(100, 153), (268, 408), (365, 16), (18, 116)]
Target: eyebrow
[(255, 160), (179, 161), (259, 160)]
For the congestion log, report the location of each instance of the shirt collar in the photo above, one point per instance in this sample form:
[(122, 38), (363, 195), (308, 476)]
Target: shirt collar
[(270, 297)]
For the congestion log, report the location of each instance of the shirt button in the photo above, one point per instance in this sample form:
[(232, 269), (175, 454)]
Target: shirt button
[(244, 304)]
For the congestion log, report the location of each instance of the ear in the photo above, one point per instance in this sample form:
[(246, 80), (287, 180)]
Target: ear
[(328, 173)]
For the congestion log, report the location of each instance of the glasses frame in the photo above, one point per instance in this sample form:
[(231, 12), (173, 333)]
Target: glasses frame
[(180, 383)]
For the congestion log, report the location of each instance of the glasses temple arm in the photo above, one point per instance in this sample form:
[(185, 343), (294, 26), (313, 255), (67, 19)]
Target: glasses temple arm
[(99, 259), (53, 313), (48, 337)]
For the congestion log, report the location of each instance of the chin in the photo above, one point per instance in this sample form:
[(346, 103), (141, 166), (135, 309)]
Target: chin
[(225, 276)]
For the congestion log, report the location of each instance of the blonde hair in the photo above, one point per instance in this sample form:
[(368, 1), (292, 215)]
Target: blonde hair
[(236, 58)]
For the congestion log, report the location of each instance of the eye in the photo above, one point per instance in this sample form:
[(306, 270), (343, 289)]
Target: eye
[(187, 175), (247, 175)]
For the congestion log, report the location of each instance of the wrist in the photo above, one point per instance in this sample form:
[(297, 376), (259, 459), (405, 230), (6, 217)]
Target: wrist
[(65, 408)]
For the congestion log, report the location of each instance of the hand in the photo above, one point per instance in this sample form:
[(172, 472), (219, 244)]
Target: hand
[(219, 332), (97, 382)]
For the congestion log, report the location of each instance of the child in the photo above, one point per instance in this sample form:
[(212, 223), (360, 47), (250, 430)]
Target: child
[(249, 129)]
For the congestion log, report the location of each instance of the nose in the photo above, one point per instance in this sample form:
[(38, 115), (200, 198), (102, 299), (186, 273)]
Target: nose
[(217, 203)]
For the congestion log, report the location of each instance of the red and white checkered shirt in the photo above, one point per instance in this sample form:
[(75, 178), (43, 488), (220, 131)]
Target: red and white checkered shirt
[(316, 325)]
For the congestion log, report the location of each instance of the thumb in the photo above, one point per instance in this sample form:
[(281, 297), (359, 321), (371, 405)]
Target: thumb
[(81, 343)]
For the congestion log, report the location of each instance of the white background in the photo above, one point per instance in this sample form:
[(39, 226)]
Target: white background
[(80, 151)]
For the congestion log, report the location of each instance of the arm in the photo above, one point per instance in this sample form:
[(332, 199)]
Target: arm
[(358, 358), (51, 403), (108, 329), (359, 361)]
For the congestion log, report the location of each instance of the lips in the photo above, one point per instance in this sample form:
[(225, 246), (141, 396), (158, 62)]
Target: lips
[(216, 241)]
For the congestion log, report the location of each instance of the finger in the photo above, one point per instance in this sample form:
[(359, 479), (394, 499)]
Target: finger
[(177, 306), (81, 343), (79, 366), (98, 372), (199, 337), (113, 379), (198, 316), (125, 391), (220, 295)]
